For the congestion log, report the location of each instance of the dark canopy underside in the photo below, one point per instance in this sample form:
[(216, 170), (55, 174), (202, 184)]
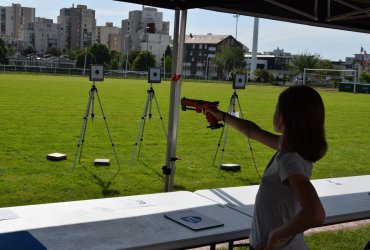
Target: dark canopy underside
[(352, 15)]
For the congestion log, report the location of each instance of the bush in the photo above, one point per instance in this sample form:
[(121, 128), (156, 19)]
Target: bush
[(365, 77)]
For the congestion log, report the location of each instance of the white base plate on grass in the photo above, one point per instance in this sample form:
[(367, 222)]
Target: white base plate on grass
[(101, 162), (230, 167), (56, 157)]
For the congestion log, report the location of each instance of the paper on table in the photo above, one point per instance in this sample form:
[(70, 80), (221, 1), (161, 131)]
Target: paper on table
[(137, 202), (7, 214)]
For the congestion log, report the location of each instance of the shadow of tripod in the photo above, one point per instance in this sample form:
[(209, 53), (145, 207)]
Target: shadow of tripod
[(147, 114), (91, 107), (233, 100)]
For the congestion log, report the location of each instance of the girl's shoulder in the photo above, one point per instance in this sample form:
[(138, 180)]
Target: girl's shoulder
[(290, 163), (289, 156)]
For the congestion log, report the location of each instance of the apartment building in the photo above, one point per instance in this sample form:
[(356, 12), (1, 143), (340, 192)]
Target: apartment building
[(110, 36), (79, 25), (12, 22), (199, 51), (42, 34), (145, 30)]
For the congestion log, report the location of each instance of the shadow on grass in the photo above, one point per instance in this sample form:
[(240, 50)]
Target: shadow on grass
[(106, 192), (155, 171)]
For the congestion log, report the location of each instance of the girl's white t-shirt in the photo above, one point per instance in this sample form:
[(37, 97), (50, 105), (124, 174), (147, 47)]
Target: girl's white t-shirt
[(276, 202)]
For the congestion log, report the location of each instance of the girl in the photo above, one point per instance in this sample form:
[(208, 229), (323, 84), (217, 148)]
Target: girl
[(286, 203)]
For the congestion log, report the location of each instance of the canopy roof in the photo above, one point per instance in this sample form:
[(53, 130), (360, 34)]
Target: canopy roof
[(352, 15)]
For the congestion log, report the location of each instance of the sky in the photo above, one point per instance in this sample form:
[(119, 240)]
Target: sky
[(330, 44)]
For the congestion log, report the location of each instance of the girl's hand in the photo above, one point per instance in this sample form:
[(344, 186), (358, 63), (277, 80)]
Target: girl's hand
[(218, 114), (273, 241)]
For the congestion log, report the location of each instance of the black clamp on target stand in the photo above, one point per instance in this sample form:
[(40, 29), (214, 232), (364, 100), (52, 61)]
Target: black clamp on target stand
[(166, 170)]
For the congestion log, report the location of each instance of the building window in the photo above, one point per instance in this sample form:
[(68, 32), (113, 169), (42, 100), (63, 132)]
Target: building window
[(200, 46)]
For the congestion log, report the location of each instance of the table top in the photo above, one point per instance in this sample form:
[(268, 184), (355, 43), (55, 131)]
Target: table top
[(131, 222), (138, 222)]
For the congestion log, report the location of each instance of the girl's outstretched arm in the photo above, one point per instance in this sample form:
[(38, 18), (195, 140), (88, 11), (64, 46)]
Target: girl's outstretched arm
[(247, 128)]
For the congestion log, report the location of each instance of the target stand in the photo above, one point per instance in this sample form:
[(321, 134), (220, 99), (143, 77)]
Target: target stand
[(154, 76), (240, 82), (89, 114), (231, 111)]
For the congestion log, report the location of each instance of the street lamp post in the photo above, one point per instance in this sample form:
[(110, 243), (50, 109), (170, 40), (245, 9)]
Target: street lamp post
[(236, 28), (147, 46), (126, 45)]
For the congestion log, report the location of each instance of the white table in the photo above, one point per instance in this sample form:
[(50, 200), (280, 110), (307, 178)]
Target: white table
[(344, 199), (132, 222)]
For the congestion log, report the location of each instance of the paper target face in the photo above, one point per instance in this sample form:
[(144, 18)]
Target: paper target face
[(96, 72), (154, 75), (240, 81)]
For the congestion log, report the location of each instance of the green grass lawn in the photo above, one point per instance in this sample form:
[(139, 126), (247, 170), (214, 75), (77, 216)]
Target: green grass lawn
[(43, 114)]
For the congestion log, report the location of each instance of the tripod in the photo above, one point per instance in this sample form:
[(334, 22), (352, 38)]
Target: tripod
[(91, 106), (148, 107), (233, 99)]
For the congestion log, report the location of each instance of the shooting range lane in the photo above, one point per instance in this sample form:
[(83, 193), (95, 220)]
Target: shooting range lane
[(132, 222), (344, 199)]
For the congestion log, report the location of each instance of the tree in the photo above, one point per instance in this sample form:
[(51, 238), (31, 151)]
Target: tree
[(101, 53), (228, 58), (143, 61), (29, 50), (2, 55), (132, 56), (114, 64), (168, 51), (80, 60), (262, 75), (72, 54), (53, 51), (115, 55), (304, 60), (3, 51), (167, 60), (365, 77)]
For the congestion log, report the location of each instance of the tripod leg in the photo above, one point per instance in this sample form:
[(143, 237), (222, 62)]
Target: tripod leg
[(160, 115), (141, 138), (230, 111), (223, 149), (81, 139), (141, 128), (249, 142), (106, 125), (218, 145)]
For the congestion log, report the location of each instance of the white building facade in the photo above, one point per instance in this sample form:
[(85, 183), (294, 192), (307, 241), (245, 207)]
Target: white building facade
[(42, 34), (13, 20), (145, 30)]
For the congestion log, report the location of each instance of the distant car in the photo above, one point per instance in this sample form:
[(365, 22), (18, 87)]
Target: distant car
[(298, 81)]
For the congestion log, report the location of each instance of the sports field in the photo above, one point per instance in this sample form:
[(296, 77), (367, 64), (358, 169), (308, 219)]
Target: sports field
[(44, 114)]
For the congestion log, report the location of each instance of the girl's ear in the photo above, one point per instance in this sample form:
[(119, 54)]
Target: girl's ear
[(278, 120), (281, 123)]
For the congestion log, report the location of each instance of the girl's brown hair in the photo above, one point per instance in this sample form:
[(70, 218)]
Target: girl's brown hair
[(303, 114)]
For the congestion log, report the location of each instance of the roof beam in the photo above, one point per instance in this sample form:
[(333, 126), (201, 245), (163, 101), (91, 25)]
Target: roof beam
[(290, 8), (349, 15)]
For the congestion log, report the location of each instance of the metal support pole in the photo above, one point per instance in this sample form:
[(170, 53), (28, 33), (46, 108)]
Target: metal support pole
[(173, 117)]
